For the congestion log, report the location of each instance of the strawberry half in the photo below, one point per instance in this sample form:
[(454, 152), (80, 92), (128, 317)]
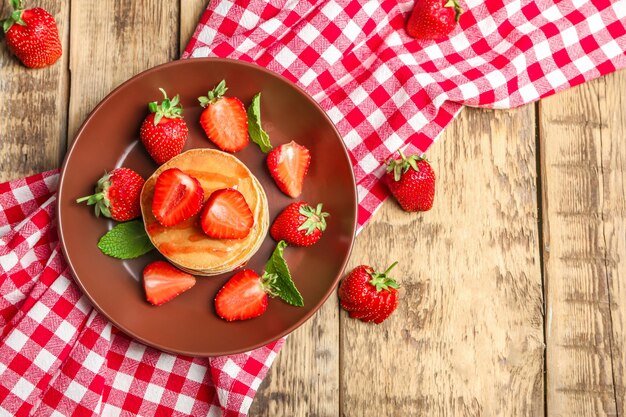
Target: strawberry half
[(177, 197), (164, 132), (162, 282), (226, 215), (244, 296), (224, 119), (288, 165)]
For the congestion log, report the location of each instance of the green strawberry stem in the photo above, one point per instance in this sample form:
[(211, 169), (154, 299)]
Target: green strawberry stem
[(213, 95), (383, 281), (457, 8), (400, 166), (268, 282), (172, 109), (316, 219), (16, 16), (99, 199)]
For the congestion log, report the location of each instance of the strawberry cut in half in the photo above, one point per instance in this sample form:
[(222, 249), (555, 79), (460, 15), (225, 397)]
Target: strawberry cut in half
[(162, 282), (224, 119), (244, 296), (288, 165), (177, 197), (226, 215)]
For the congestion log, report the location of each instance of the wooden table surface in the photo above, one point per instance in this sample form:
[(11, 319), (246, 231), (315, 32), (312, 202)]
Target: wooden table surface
[(513, 302)]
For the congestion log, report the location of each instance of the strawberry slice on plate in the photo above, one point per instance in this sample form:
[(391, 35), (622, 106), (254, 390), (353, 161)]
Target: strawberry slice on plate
[(224, 119), (243, 297), (288, 165), (162, 282), (226, 215), (177, 197)]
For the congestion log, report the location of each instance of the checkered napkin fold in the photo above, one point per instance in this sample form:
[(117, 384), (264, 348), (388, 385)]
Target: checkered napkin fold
[(382, 89)]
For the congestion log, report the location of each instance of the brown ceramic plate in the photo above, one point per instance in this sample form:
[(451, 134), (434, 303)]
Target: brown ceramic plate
[(188, 324)]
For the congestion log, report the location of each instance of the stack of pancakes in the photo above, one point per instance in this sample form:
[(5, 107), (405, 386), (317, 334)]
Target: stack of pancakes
[(185, 245)]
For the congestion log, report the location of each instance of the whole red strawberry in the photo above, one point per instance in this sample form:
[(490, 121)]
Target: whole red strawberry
[(164, 132), (411, 180), (369, 295), (299, 224), (433, 19), (117, 195), (32, 36)]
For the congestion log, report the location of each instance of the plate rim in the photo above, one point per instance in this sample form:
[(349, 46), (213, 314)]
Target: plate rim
[(71, 150)]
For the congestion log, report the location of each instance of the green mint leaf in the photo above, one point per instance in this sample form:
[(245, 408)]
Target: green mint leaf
[(257, 134), (284, 286), (126, 241)]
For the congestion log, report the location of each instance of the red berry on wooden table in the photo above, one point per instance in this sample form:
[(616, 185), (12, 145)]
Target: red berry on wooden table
[(117, 195), (433, 19), (32, 36), (177, 197), (162, 282), (368, 295), (226, 215), (224, 119), (299, 224), (411, 180), (164, 132), (288, 164)]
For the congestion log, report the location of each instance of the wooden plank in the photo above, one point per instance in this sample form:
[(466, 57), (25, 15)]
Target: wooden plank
[(190, 13), (33, 105), (614, 216), (467, 338), (119, 39), (580, 156)]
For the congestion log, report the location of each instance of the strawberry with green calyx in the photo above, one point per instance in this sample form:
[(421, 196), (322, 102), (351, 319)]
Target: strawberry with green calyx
[(368, 295), (117, 195), (224, 119), (164, 131), (246, 294), (32, 36), (411, 180), (433, 19), (299, 224)]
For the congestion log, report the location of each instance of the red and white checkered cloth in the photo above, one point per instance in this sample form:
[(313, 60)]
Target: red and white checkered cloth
[(59, 357), (383, 90)]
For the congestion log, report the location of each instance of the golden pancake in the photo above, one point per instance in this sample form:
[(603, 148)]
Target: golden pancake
[(185, 245)]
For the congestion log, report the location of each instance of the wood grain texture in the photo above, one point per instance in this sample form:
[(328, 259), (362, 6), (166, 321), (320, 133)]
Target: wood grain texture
[(614, 216), (190, 13), (581, 162), (111, 41), (304, 380), (33, 105), (467, 338)]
